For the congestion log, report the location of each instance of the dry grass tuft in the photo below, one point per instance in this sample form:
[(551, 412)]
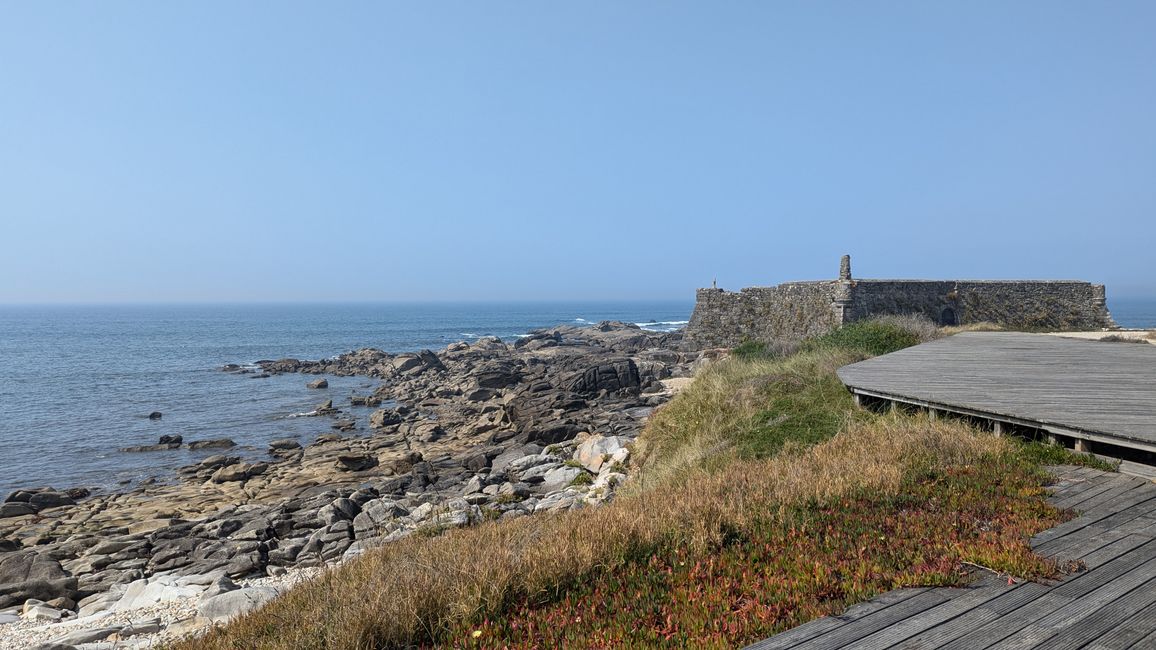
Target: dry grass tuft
[(921, 326), (702, 426), (1118, 338), (972, 327)]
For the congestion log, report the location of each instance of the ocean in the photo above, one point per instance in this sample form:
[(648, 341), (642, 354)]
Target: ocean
[(77, 382)]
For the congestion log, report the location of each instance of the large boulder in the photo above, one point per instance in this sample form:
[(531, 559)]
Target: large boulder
[(599, 450), (17, 509), (28, 574), (611, 376), (356, 462), (497, 374), (238, 472), (223, 607), (560, 477), (384, 418)]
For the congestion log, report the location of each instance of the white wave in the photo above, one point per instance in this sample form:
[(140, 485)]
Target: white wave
[(469, 335), (307, 414), (664, 322), (581, 320)]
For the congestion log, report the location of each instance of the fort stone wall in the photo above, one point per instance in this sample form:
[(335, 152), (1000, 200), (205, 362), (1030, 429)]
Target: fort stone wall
[(796, 310), (793, 310)]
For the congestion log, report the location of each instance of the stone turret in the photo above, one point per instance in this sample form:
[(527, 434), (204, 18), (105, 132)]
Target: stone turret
[(841, 300), (845, 269)]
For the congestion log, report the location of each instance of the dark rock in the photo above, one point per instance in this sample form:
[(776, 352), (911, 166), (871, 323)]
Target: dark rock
[(16, 509), (284, 444), (344, 425), (617, 375), (20, 496), (497, 374), (318, 383), (171, 440), (384, 418), (476, 462), (213, 462), (217, 443), (51, 500), (481, 394), (406, 463), (155, 415), (231, 473), (356, 462), (78, 493), (28, 574)]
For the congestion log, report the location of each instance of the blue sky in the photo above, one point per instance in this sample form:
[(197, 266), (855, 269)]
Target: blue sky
[(620, 150)]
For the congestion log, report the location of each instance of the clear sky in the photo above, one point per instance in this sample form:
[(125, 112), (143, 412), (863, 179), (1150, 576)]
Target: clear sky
[(581, 150)]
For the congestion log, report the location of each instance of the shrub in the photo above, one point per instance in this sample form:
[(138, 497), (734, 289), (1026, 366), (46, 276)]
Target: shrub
[(1116, 338), (750, 349), (1047, 454), (873, 337), (582, 479)]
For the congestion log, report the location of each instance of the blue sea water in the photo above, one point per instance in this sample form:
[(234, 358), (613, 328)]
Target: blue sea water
[(77, 382)]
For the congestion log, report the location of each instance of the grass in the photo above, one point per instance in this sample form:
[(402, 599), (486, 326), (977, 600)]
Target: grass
[(764, 499), (1116, 338), (1043, 453)]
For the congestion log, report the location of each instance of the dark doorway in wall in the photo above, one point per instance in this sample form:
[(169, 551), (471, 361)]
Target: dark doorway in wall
[(947, 317)]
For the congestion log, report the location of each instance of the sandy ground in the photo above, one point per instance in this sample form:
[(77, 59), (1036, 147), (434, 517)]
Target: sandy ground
[(1148, 336)]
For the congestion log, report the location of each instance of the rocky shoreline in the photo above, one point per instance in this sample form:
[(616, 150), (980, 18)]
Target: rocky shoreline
[(476, 431)]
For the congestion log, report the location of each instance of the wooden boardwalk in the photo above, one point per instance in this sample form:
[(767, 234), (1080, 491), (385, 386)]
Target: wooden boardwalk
[(1081, 391), (1110, 605)]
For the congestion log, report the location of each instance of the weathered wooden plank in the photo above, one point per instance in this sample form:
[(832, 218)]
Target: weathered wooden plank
[(1105, 517), (1071, 501), (1120, 488), (1092, 545), (1052, 623), (1073, 484), (970, 599), (952, 629), (1073, 633), (1146, 492), (1129, 633), (802, 633), (1091, 589), (1109, 552), (1080, 541), (1083, 583), (1080, 386), (842, 636)]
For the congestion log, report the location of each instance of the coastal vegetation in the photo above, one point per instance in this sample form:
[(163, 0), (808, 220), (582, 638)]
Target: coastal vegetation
[(760, 499)]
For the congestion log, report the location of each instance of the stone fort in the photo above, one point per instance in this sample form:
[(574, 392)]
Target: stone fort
[(795, 310)]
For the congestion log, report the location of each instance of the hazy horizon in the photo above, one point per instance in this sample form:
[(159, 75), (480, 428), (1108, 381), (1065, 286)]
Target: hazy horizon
[(290, 153)]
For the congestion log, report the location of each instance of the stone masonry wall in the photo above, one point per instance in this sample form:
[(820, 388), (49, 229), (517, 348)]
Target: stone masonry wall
[(1017, 304), (792, 310), (800, 309)]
